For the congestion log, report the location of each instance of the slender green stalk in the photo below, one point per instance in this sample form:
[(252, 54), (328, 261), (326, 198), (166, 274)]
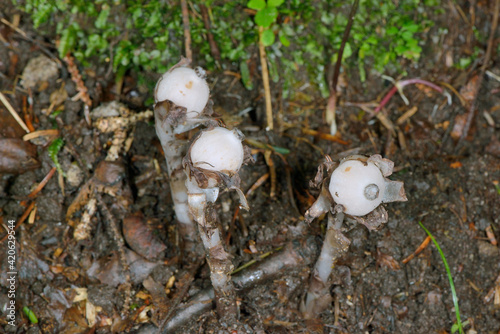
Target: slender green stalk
[(448, 272)]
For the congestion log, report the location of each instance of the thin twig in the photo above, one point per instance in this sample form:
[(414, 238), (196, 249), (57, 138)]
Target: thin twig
[(13, 112), (418, 250), (28, 117), (21, 219), (214, 50), (332, 100), (265, 81), (42, 184), (487, 56), (326, 136), (187, 30), (272, 172)]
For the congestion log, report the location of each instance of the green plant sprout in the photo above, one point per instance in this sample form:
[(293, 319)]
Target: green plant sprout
[(54, 149), (30, 314), (450, 278)]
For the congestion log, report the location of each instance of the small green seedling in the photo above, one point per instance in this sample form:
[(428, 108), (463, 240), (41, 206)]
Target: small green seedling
[(54, 149), (31, 315), (450, 278)]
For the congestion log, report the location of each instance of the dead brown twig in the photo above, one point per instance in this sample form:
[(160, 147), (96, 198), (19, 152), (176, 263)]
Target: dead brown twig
[(31, 206), (265, 81), (326, 136), (187, 30), (14, 114), (211, 41), (42, 184), (418, 250), (21, 219)]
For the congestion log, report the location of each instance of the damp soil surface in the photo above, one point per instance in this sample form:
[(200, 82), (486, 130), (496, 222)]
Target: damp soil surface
[(97, 249)]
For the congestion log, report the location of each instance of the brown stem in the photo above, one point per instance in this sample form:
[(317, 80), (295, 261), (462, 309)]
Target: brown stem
[(211, 41), (265, 81), (220, 265), (332, 100), (187, 30)]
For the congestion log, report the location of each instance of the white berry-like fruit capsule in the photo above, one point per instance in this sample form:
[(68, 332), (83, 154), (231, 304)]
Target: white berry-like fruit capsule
[(358, 186), (185, 87), (219, 150)]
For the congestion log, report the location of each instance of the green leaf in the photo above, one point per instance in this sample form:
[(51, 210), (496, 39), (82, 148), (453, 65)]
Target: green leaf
[(455, 326), (267, 37), (412, 27), (407, 35), (391, 31), (67, 41), (362, 72), (100, 23), (256, 4), (274, 3), (31, 315), (285, 41), (54, 149), (347, 51), (245, 75), (266, 16)]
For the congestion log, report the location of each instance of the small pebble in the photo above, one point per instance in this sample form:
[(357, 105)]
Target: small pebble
[(38, 70)]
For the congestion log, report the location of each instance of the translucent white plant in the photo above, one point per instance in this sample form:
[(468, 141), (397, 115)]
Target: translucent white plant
[(212, 164), (182, 103), (184, 87), (356, 188)]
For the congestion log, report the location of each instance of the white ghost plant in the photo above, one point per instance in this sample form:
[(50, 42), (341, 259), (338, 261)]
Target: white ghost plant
[(355, 188)]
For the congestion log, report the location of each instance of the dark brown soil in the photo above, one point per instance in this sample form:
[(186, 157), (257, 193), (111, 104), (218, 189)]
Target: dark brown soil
[(452, 188)]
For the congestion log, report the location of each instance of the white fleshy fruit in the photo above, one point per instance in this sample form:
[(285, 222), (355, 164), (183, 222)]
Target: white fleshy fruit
[(218, 150), (184, 87), (359, 187)]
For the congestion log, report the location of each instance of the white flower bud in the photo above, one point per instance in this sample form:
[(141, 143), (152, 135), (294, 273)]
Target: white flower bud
[(185, 87), (218, 149), (358, 186)]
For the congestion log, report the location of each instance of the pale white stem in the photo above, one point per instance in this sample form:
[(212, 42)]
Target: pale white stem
[(326, 259), (174, 150), (335, 245)]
